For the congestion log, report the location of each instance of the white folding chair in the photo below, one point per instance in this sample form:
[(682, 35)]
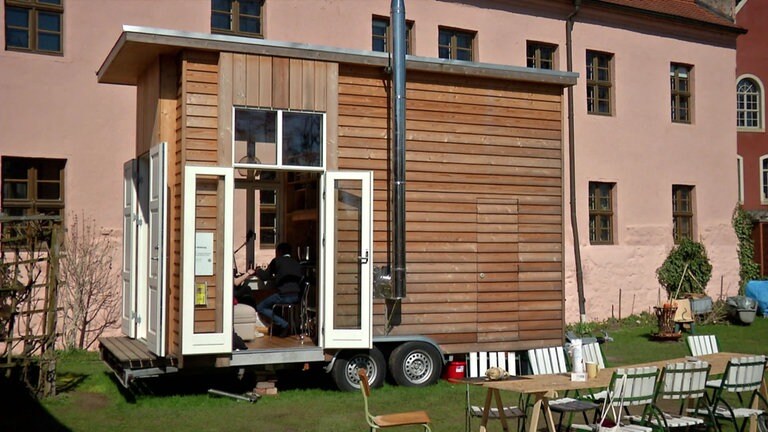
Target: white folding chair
[(593, 354), (682, 382), (702, 344), (637, 389), (479, 363), (743, 375), (699, 345), (551, 360)]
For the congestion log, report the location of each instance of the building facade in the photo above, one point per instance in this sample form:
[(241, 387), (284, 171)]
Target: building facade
[(751, 73), (653, 144)]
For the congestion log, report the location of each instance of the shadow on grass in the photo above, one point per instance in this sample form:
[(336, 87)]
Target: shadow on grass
[(230, 380), (22, 412)]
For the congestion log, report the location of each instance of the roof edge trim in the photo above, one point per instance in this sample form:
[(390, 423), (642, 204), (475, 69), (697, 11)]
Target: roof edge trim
[(238, 44)]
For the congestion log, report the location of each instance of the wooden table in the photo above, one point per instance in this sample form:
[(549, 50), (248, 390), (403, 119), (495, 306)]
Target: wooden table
[(545, 387)]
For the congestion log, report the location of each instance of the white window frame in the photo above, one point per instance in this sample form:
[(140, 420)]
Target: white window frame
[(763, 195), (279, 143), (761, 103), (740, 173)]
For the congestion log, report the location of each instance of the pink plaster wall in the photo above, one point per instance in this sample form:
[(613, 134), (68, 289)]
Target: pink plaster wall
[(53, 106), (644, 153)]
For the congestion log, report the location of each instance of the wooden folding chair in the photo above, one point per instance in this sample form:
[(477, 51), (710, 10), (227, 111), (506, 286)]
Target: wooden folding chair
[(552, 361), (479, 362), (389, 420), (743, 375), (682, 382)]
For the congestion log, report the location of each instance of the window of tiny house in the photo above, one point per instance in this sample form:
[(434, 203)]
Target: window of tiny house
[(278, 140)]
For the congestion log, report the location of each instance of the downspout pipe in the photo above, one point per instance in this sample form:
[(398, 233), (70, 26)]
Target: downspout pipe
[(572, 164), (398, 82)]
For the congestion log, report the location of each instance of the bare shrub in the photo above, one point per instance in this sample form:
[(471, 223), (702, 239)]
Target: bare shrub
[(90, 297)]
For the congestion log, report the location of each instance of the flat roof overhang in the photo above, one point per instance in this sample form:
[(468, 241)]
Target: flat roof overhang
[(138, 47)]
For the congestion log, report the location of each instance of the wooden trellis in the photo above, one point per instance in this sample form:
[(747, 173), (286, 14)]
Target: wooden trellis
[(30, 249)]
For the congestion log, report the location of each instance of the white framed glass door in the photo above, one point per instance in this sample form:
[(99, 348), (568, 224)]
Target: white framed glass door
[(206, 293), (347, 259)]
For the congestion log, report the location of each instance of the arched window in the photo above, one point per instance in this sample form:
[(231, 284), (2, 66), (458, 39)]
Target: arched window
[(749, 104)]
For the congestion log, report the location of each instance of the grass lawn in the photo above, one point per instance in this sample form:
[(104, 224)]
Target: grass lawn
[(90, 400)]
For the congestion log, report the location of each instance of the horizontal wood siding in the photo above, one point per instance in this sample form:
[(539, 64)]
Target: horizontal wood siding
[(484, 197), (199, 123)]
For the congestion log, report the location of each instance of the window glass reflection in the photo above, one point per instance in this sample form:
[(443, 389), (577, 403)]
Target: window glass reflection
[(302, 139)]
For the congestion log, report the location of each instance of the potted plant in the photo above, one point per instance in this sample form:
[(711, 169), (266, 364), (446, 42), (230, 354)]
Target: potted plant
[(684, 274)]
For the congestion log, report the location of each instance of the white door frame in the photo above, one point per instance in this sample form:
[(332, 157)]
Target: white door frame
[(345, 337), (206, 343)]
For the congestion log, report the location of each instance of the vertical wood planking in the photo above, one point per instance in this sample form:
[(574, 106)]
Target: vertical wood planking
[(308, 85), (295, 83), (239, 83), (265, 82), (332, 114), (253, 82), (281, 75)]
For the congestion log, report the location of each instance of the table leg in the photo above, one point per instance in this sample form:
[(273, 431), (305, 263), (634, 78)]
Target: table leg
[(486, 409), (533, 424), (500, 407), (548, 415)]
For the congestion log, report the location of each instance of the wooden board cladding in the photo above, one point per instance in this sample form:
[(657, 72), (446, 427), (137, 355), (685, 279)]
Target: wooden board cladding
[(484, 204), (200, 107), (274, 83), (278, 83)]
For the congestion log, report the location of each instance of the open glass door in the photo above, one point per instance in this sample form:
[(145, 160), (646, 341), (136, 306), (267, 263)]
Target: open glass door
[(348, 257), (206, 293)]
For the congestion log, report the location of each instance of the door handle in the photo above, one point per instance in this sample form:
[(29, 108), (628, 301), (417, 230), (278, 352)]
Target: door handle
[(363, 259)]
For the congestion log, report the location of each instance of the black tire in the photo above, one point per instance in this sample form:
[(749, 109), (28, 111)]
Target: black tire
[(415, 364), (348, 362)]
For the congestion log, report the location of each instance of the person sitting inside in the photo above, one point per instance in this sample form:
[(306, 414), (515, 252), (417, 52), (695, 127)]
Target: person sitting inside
[(285, 272), (242, 289)]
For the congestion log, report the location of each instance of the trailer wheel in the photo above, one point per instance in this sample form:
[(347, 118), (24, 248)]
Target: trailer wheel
[(415, 364), (348, 362)]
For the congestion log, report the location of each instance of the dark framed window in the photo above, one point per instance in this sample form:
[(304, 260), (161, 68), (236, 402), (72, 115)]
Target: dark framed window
[(540, 55), (456, 44), (238, 17), (34, 26), (682, 93), (601, 212), (599, 82), (267, 218), (381, 37), (682, 212), (33, 186), (748, 104)]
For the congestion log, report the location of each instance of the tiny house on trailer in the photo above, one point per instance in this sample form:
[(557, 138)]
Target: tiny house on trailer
[(291, 142)]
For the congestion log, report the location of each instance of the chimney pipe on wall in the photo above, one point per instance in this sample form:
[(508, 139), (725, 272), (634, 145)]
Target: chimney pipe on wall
[(398, 83)]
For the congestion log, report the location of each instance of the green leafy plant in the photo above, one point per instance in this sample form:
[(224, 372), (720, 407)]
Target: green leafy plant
[(686, 270), (748, 268)]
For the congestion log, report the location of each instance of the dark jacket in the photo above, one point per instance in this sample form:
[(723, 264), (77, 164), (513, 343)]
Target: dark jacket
[(285, 272)]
